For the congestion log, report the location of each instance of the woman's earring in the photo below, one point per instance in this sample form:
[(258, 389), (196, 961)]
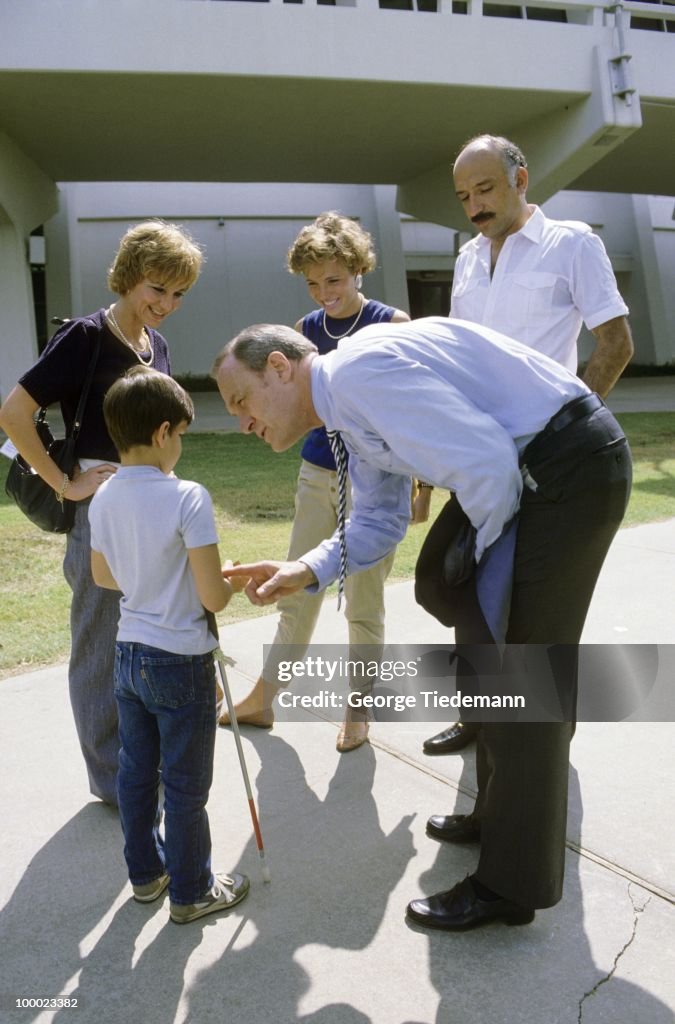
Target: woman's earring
[(358, 281)]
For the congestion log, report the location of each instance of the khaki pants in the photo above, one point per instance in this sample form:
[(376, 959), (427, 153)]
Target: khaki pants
[(315, 520)]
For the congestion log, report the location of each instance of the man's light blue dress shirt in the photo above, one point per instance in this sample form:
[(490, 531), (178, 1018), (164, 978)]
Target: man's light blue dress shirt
[(447, 401)]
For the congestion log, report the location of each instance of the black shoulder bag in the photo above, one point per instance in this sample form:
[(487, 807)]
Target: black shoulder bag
[(32, 494)]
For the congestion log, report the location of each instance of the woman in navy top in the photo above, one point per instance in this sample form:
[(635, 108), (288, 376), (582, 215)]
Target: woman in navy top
[(333, 253), (155, 265)]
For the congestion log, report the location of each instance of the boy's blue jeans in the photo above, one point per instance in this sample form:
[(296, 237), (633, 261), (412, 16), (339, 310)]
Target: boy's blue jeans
[(167, 718)]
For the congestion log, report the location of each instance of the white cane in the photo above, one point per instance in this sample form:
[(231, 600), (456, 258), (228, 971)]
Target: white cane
[(222, 661)]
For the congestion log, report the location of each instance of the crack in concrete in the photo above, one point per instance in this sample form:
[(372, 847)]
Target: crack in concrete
[(637, 910)]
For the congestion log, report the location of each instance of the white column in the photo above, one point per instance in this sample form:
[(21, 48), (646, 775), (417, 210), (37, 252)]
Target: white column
[(657, 278), (18, 347), (391, 247), (62, 267), (27, 198)]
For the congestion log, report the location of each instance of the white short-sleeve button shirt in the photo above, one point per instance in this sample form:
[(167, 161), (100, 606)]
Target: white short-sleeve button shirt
[(550, 277)]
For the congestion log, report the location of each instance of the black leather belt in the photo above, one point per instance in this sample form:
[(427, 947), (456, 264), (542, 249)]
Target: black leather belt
[(574, 410)]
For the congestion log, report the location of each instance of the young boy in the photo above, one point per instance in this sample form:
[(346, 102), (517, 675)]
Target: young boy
[(154, 538)]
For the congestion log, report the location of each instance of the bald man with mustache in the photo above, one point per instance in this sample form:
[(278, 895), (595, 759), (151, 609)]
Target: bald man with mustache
[(534, 279)]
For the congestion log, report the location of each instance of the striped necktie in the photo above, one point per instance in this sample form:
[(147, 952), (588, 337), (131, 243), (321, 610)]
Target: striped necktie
[(340, 455)]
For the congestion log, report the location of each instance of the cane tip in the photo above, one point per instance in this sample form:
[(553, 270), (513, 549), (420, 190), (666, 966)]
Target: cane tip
[(267, 878)]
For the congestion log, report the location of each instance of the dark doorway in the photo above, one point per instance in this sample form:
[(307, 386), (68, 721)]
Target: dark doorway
[(37, 273), (429, 293)]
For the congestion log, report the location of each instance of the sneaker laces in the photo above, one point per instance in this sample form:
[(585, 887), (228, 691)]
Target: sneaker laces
[(223, 887)]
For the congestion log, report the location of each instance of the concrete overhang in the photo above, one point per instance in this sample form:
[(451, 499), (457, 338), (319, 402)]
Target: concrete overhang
[(645, 162), (167, 127), (180, 90)]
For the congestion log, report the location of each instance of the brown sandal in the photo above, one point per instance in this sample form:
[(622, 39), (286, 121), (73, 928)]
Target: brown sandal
[(351, 736)]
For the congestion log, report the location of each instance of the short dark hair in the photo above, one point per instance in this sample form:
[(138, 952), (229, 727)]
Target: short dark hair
[(253, 345), (511, 155), (139, 402)]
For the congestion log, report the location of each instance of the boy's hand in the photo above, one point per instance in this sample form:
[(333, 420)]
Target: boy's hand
[(268, 581), (236, 582)]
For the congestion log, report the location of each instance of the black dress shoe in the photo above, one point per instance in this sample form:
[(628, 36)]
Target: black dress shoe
[(452, 739), (454, 828), (460, 908)]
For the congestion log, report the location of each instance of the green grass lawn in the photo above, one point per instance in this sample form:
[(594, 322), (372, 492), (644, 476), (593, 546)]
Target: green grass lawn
[(253, 491)]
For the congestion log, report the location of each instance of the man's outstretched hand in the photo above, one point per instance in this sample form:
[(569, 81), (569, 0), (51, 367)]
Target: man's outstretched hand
[(268, 581)]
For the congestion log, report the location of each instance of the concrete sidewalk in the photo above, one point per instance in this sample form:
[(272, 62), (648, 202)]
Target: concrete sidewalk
[(326, 942)]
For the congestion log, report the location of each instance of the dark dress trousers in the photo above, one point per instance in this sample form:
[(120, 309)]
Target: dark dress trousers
[(581, 467)]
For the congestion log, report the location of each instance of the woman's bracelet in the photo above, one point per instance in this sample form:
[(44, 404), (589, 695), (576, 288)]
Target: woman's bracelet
[(64, 487), (421, 485)]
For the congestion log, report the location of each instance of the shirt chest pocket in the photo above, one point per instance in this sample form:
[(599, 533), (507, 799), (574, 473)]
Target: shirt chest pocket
[(375, 451), (469, 298), (530, 297)]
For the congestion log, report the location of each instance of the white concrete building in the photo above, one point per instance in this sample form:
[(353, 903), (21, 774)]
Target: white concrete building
[(245, 231), (366, 102)]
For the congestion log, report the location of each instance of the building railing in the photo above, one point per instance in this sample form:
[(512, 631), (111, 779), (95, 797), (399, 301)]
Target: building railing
[(652, 15)]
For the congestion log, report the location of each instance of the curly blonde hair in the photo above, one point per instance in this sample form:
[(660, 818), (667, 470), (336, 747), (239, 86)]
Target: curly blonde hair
[(333, 237), (155, 249)]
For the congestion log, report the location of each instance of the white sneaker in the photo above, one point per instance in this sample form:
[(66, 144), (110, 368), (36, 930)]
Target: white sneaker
[(227, 890), (151, 891)]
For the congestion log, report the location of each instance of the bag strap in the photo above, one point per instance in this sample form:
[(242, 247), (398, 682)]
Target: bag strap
[(79, 412), (212, 625)]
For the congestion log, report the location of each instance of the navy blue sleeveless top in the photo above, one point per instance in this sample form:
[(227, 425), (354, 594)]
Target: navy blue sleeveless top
[(316, 448)]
